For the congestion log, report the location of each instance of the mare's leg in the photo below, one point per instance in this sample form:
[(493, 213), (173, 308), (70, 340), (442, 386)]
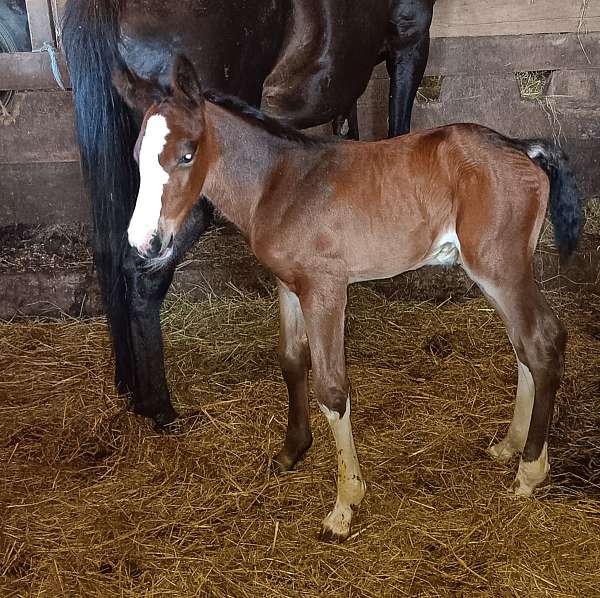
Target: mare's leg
[(539, 340), (294, 357), (346, 126), (323, 306), (408, 50), (145, 291)]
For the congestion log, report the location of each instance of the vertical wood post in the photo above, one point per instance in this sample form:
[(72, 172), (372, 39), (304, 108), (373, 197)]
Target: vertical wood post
[(41, 26)]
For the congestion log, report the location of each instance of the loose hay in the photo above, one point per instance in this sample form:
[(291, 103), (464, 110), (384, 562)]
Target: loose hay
[(95, 503)]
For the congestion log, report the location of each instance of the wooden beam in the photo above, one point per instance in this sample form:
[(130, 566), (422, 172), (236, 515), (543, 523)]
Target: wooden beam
[(448, 56), (41, 26), (498, 54), (30, 70), (510, 54), (456, 18)]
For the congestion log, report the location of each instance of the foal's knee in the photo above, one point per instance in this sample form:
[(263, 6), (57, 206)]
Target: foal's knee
[(332, 397), (543, 347), (554, 342), (294, 360)]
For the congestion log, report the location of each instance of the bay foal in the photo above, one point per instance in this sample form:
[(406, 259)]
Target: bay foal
[(322, 214)]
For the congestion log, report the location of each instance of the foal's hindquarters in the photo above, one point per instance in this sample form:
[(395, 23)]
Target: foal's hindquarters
[(492, 210)]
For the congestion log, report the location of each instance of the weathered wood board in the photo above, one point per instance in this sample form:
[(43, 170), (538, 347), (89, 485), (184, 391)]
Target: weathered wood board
[(42, 193), (41, 23), (458, 18), (30, 70), (42, 131)]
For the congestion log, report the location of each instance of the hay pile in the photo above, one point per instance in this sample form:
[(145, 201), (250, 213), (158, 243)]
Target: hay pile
[(93, 502)]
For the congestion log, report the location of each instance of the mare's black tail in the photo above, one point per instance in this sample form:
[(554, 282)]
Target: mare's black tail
[(566, 204), (106, 133)]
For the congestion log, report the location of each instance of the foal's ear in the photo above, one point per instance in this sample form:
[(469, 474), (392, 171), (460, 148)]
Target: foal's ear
[(138, 93), (185, 81)]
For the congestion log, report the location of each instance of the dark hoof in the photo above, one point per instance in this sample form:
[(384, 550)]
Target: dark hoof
[(122, 387), (162, 417), (281, 463), (330, 537), (165, 418)]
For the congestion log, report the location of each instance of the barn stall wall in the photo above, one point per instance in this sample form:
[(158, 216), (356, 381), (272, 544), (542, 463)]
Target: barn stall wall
[(478, 46)]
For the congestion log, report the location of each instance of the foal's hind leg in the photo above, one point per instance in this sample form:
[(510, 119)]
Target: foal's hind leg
[(514, 441), (539, 340), (294, 357)]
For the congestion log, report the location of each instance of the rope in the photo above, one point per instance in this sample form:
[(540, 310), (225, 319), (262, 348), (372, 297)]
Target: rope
[(53, 63)]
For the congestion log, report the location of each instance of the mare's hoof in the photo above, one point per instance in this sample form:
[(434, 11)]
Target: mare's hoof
[(162, 417), (166, 417)]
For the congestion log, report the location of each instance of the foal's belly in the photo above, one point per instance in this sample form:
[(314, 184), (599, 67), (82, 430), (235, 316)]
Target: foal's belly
[(443, 251)]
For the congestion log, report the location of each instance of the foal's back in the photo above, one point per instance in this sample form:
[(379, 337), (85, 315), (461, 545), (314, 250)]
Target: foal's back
[(377, 209)]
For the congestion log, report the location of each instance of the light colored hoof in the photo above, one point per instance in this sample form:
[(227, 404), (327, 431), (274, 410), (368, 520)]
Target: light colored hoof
[(336, 526), (502, 451), (530, 475)]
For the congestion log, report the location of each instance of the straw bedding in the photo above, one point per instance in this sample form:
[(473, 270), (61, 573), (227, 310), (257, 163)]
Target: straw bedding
[(94, 502)]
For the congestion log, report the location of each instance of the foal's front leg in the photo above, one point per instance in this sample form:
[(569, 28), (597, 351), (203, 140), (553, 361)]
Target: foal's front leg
[(294, 358), (323, 306)]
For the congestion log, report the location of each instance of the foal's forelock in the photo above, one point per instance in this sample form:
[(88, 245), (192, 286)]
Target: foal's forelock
[(153, 177)]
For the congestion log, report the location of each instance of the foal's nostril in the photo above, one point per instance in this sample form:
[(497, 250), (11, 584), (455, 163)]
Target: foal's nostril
[(154, 248)]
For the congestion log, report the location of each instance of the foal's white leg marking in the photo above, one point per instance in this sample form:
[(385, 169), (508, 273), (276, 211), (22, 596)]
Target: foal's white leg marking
[(531, 474), (350, 485), (516, 436), (153, 178)]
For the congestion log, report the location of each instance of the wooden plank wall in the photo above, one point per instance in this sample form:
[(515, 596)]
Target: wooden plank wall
[(459, 18), (478, 45)]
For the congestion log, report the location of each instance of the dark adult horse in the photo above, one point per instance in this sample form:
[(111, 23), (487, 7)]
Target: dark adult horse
[(307, 61)]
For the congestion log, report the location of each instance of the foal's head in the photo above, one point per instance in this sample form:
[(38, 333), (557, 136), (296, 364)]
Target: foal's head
[(172, 152)]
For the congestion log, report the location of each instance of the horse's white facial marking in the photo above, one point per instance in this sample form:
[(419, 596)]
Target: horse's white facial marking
[(153, 178), (351, 487)]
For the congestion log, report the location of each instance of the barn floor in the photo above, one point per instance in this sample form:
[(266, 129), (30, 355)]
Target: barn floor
[(94, 502)]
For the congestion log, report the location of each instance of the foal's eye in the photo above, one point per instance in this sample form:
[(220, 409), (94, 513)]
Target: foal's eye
[(186, 158)]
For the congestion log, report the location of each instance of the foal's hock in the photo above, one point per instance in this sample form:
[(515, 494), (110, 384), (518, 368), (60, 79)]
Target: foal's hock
[(322, 214)]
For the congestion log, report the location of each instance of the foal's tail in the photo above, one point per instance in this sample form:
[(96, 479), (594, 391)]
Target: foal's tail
[(106, 133), (566, 203)]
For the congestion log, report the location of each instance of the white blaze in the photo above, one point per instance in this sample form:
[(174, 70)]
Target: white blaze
[(153, 178)]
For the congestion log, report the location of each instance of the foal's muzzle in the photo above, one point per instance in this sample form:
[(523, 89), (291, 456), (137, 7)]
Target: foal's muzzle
[(157, 249)]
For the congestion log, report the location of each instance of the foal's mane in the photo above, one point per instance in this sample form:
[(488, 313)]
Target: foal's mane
[(268, 123)]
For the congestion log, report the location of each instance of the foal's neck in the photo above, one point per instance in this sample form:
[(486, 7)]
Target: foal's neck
[(246, 157)]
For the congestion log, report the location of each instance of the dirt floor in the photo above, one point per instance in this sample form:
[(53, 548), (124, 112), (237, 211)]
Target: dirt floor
[(94, 502)]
